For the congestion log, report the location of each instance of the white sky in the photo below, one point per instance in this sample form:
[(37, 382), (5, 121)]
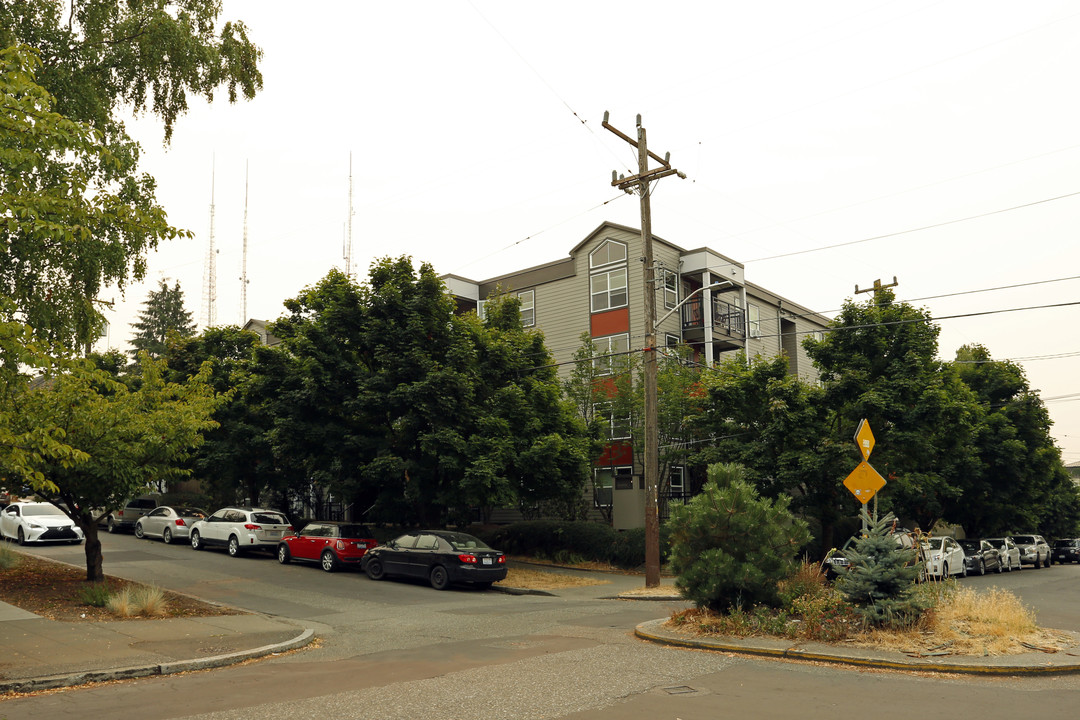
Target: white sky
[(476, 145)]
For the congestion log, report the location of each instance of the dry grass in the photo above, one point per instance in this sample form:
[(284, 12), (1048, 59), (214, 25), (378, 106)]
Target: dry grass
[(540, 580), (965, 622), (144, 600)]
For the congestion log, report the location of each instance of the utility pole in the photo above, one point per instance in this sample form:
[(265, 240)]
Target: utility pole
[(243, 261), (640, 184), (877, 287)]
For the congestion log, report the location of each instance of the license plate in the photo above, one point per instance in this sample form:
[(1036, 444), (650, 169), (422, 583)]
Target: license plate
[(361, 545), (485, 561), (273, 533)]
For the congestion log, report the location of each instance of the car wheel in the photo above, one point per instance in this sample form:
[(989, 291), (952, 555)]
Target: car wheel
[(1019, 565), (982, 567), (329, 561), (196, 540), (139, 531), (110, 525), (166, 536), (375, 570), (1000, 569), (439, 579), (963, 570), (234, 546), (283, 555), (22, 537), (1038, 562)]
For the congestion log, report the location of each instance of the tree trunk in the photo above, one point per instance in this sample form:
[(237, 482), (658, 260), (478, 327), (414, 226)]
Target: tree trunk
[(94, 573)]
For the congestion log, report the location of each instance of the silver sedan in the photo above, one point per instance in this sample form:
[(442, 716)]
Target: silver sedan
[(168, 522)]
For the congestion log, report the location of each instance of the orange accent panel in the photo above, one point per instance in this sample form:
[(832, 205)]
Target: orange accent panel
[(616, 453), (610, 322)]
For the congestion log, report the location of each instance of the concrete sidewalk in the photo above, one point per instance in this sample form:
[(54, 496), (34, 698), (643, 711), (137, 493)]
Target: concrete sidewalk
[(40, 653)]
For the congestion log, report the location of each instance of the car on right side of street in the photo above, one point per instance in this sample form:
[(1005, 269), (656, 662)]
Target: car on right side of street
[(1010, 554), (944, 558), (1033, 550), (239, 529), (1067, 550), (330, 543), (125, 518), (168, 522), (980, 556), (441, 557)]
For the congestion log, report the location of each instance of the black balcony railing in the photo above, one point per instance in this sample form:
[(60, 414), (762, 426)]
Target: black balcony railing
[(726, 318)]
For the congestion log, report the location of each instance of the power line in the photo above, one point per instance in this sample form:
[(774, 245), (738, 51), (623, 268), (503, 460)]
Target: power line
[(918, 229)]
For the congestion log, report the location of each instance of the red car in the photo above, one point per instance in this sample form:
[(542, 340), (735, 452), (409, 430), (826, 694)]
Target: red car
[(330, 543)]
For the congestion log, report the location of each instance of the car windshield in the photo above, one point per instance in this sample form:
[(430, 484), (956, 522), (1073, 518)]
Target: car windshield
[(1064, 543), (1024, 539), (461, 541), (269, 518), (43, 509), (933, 543), (190, 512), (970, 545)]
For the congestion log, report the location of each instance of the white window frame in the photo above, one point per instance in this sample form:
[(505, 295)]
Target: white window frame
[(528, 308), (618, 428), (753, 320), (611, 471), (611, 295), (481, 311), (605, 349), (671, 289), (607, 245)]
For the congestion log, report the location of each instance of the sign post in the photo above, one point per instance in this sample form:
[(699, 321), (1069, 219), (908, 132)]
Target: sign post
[(864, 481)]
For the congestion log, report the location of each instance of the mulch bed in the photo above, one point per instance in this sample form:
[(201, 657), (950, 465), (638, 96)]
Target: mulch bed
[(54, 590)]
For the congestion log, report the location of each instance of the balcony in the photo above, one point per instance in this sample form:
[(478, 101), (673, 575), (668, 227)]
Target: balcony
[(727, 322)]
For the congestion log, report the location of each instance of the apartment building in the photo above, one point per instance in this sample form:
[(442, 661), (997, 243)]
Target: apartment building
[(702, 298)]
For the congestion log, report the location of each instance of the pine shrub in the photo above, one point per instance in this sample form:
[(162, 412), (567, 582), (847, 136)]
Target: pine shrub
[(729, 547), (880, 580)]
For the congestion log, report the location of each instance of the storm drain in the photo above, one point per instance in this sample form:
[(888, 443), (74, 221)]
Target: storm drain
[(679, 690)]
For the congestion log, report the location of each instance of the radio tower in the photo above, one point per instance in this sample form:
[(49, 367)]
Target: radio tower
[(347, 250), (210, 268), (243, 262)]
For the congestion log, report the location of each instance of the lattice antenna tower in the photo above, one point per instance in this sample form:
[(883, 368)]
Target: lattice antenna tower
[(347, 249), (243, 261), (210, 266)]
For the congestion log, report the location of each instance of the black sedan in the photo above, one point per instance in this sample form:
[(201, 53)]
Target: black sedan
[(439, 556), (980, 556)]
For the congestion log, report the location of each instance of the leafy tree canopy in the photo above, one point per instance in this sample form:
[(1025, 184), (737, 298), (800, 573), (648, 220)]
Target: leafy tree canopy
[(75, 213)]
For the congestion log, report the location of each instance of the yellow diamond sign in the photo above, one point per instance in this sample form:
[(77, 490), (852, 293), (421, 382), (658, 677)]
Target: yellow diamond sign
[(864, 438), (864, 482)]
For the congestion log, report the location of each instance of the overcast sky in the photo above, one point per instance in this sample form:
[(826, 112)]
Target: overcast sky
[(827, 145)]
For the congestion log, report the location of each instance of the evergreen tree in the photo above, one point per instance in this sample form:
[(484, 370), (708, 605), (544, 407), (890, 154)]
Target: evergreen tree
[(163, 314), (730, 547), (880, 580)]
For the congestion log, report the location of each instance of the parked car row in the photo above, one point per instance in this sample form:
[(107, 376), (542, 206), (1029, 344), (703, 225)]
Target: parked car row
[(440, 557), (944, 557)]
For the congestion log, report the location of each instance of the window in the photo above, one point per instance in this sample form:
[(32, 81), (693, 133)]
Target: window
[(677, 481), (618, 427), (610, 353), (608, 289), (817, 335), (671, 289), (603, 480), (753, 316), (481, 309), (528, 308), (608, 253)]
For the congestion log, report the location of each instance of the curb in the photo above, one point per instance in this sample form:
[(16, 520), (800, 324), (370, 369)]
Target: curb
[(49, 682), (522, 591), (654, 632)]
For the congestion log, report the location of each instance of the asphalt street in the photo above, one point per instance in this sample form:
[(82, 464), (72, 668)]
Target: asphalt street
[(403, 650)]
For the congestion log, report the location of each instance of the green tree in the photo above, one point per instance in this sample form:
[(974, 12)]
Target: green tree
[(783, 432), (879, 363), (1021, 481), (128, 438), (880, 580), (163, 314), (236, 461), (75, 211), (67, 229), (729, 546)]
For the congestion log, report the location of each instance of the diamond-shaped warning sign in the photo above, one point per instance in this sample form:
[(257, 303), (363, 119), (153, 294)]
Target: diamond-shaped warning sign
[(864, 482), (864, 438)]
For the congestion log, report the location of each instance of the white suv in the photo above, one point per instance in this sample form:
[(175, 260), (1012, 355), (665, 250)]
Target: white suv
[(239, 529)]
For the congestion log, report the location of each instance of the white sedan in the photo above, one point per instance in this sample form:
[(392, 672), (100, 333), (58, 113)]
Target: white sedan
[(38, 522), (944, 557)]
